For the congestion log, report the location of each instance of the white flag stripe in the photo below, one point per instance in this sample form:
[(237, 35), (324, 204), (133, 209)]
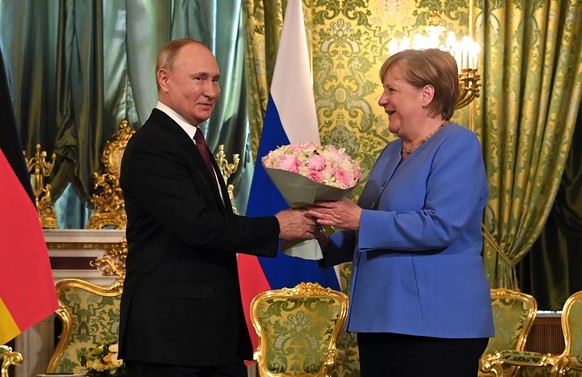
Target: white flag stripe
[(292, 89)]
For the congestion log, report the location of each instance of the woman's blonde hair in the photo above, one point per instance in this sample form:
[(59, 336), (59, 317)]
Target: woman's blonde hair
[(429, 67)]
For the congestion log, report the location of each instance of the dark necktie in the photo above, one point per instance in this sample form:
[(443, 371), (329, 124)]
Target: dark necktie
[(205, 152)]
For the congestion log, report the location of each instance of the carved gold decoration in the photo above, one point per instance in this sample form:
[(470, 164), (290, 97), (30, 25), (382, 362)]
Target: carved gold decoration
[(226, 170), (8, 358), (468, 87), (109, 207), (112, 263), (39, 169)]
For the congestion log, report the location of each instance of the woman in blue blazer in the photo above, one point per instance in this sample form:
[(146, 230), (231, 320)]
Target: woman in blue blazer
[(420, 301)]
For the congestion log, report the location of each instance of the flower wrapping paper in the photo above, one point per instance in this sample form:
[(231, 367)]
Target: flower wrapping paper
[(306, 172)]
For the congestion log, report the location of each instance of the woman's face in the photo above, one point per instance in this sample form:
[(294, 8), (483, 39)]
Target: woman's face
[(402, 102)]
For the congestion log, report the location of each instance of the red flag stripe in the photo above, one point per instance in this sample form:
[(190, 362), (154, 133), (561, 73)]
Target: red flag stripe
[(252, 282)]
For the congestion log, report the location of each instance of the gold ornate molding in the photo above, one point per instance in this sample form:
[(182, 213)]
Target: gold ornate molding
[(468, 87), (8, 358), (109, 207), (226, 170), (112, 263), (40, 169)]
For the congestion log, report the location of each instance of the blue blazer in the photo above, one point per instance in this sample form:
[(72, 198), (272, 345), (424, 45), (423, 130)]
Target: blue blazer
[(417, 267)]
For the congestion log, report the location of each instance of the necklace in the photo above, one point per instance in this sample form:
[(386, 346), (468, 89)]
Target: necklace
[(409, 151)]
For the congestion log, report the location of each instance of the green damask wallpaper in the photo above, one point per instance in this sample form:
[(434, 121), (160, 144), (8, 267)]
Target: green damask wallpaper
[(349, 43)]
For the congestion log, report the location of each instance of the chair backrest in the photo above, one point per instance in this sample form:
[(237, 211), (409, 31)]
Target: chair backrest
[(89, 315), (513, 314), (108, 203), (572, 324), (8, 358), (298, 329)]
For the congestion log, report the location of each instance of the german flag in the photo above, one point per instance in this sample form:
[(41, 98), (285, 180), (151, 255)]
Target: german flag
[(27, 289)]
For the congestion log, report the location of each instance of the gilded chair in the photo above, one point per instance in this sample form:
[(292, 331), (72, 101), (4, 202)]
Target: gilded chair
[(108, 205), (89, 313), (8, 358), (569, 363), (298, 329), (513, 315)]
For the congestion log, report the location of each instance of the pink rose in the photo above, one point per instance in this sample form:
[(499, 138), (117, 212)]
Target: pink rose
[(287, 162), (344, 178), (316, 162), (315, 176)]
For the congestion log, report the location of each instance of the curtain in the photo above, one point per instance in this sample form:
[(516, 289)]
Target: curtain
[(550, 270), (84, 66), (79, 97), (263, 22), (531, 66)]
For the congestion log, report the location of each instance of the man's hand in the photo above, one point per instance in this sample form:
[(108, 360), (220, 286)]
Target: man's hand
[(296, 224)]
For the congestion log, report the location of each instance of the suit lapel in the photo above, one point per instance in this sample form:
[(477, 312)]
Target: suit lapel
[(189, 148)]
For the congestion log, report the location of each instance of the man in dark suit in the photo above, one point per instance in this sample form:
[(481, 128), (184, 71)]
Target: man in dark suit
[(181, 310)]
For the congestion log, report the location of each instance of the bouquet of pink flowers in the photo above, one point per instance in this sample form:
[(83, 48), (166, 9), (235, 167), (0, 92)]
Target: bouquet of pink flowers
[(306, 172), (320, 163)]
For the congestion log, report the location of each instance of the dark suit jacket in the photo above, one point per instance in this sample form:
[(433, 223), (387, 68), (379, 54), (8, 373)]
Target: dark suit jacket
[(181, 301)]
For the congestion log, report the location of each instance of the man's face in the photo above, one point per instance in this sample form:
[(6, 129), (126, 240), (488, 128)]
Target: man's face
[(191, 88)]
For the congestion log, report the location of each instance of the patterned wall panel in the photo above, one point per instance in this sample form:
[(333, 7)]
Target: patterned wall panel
[(349, 44)]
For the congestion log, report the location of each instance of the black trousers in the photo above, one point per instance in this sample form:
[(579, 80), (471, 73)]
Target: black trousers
[(162, 370), (387, 355)]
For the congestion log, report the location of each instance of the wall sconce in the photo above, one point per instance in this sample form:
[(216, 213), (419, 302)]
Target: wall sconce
[(465, 52)]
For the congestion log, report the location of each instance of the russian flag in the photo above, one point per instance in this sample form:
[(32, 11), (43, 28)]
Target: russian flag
[(290, 118), (27, 288)]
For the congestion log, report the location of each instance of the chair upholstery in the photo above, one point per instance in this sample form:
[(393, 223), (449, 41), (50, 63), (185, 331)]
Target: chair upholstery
[(89, 313), (298, 329), (569, 363), (8, 358), (109, 207), (513, 316)]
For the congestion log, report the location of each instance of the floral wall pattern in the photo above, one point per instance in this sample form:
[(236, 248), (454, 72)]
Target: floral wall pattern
[(349, 43)]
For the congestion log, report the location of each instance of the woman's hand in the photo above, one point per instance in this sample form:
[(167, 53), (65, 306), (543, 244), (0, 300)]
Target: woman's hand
[(343, 214)]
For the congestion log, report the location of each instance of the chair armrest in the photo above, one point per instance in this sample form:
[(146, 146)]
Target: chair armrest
[(495, 363), (566, 363)]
